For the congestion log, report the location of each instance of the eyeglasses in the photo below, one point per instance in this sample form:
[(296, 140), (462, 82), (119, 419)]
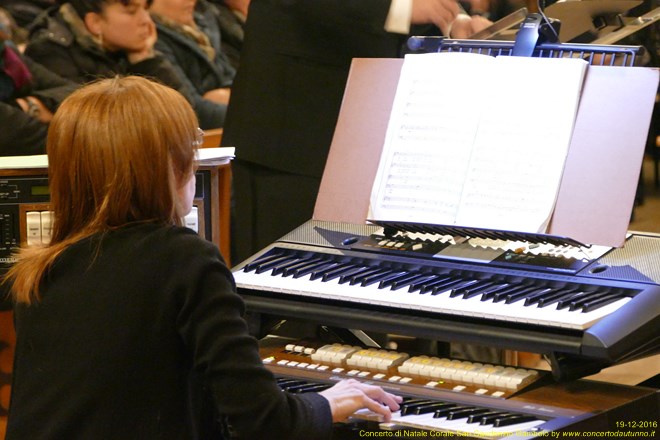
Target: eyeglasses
[(199, 140)]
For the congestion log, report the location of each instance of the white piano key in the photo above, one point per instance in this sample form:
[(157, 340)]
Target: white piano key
[(439, 303), (428, 422)]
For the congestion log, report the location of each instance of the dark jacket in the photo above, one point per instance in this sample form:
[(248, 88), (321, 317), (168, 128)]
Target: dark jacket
[(233, 32), (73, 54), (190, 61), (122, 324), (294, 65), (21, 134)]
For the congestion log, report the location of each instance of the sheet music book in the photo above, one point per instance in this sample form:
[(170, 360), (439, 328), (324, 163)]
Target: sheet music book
[(477, 141)]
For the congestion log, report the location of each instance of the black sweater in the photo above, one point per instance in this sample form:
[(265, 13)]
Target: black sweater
[(109, 351)]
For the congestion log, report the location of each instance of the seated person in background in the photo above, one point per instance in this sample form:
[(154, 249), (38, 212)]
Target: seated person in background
[(125, 306), (29, 94), (189, 36), (25, 11), (84, 40), (12, 30), (232, 15)]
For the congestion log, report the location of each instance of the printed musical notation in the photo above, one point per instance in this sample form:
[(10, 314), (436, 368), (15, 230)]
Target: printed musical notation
[(477, 141)]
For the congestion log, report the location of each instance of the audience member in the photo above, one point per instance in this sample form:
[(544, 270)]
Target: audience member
[(232, 15), (189, 36), (25, 11), (124, 307), (286, 98), (11, 29), (29, 94), (83, 40)]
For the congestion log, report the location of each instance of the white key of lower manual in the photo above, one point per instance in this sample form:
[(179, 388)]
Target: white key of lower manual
[(428, 422)]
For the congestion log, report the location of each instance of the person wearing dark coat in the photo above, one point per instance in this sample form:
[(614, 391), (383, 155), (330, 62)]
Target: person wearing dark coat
[(79, 41), (30, 95), (192, 41), (286, 98), (25, 11), (126, 322), (232, 15)]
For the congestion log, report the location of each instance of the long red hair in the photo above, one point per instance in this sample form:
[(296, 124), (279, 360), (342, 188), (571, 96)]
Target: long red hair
[(118, 150)]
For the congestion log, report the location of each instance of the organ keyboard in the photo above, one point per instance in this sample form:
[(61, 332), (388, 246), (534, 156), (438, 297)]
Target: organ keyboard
[(583, 313), (535, 408)]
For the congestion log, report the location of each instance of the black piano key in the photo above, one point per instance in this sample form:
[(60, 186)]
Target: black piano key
[(536, 296), (369, 271), (489, 419), (285, 380), (253, 265), (517, 294), (302, 264), (291, 385), (598, 303), (513, 420), (400, 283), (280, 268), (441, 287), (566, 302), (458, 291), (487, 291), (346, 276), (271, 263), (477, 418), (378, 277), (313, 268), (429, 285), (313, 388), (336, 272), (391, 280), (466, 412), (444, 411), (409, 407), (419, 284), (555, 297), (432, 407), (301, 387), (319, 272), (578, 303), (438, 290)]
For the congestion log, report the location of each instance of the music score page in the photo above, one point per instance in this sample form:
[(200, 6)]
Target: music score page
[(477, 141)]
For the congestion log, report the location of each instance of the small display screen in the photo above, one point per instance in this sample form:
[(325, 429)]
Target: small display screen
[(39, 190)]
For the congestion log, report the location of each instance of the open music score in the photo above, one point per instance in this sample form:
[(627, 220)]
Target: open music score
[(477, 141)]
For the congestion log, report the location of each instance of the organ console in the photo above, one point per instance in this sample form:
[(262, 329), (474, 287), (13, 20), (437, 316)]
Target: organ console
[(581, 307), (467, 399), (582, 313)]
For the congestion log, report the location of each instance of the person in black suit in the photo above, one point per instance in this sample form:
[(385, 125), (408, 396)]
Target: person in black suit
[(287, 93)]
